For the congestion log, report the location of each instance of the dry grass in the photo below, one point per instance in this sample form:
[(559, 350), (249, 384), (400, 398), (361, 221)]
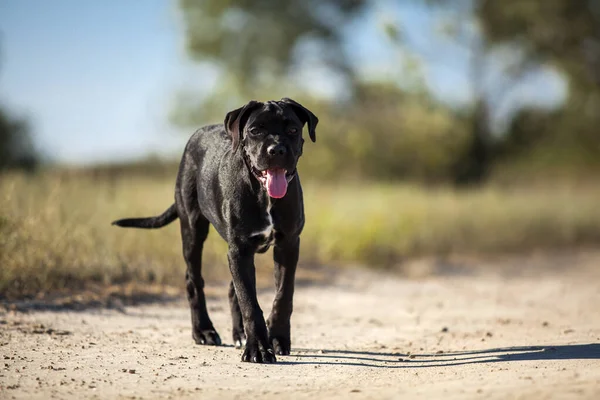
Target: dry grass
[(55, 228), (378, 224)]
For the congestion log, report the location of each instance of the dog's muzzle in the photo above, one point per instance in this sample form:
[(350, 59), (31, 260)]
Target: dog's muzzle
[(274, 180)]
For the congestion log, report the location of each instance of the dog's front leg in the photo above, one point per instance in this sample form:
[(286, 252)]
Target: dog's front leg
[(285, 255), (241, 265)]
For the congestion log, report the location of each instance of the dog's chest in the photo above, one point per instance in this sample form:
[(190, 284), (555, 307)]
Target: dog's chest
[(266, 235)]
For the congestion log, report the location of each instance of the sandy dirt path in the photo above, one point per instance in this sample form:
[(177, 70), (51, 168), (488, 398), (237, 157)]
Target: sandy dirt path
[(364, 335)]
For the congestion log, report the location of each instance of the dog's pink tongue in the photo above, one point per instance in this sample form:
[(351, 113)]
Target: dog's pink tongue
[(276, 183)]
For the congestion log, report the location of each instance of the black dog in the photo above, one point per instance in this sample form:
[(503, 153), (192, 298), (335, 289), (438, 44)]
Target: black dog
[(241, 177)]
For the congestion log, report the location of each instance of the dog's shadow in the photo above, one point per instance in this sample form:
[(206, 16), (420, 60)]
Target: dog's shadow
[(401, 360)]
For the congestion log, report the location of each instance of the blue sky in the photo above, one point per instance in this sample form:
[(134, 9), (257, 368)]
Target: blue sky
[(98, 78)]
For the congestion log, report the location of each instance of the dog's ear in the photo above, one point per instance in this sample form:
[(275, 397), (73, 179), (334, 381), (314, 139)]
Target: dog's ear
[(236, 120), (305, 115)]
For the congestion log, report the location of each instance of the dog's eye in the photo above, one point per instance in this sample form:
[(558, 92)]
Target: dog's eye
[(292, 131), (254, 131)]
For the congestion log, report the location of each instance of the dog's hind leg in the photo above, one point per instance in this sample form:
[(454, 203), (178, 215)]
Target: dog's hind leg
[(193, 234), (239, 336)]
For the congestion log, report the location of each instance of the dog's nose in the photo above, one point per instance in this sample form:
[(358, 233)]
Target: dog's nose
[(276, 150)]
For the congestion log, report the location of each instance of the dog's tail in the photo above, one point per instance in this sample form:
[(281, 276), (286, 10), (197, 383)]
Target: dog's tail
[(165, 218)]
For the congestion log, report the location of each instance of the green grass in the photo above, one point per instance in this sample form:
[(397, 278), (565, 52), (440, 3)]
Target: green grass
[(55, 230)]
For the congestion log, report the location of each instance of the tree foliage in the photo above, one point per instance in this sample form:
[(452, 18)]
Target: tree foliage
[(382, 131), (16, 144), (16, 148), (257, 45), (565, 34)]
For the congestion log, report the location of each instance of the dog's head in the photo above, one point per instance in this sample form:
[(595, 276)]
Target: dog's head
[(269, 136)]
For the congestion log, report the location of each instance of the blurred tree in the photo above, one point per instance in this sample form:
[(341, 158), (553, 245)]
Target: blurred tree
[(258, 48), (379, 131), (387, 133), (524, 35), (474, 165), (566, 34), (16, 145), (490, 83), (257, 45)]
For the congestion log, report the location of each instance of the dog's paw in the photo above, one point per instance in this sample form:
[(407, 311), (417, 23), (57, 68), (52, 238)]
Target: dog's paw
[(208, 337), (279, 337), (239, 339), (281, 345), (258, 352)]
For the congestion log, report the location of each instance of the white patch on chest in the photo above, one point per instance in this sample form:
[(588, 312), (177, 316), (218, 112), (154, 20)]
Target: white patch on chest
[(267, 233)]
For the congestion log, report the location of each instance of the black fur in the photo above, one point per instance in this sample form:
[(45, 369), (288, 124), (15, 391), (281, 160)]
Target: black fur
[(219, 184), (165, 218)]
